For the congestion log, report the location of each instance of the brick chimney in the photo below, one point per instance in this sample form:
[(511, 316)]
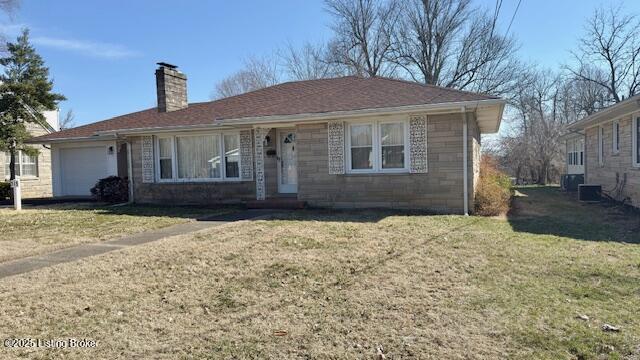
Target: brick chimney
[(171, 85)]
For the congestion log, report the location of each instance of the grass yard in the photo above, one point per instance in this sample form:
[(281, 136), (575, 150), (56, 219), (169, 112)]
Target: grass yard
[(39, 229), (338, 285)]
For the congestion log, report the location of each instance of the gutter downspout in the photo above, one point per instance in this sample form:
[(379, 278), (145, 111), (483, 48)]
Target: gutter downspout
[(130, 172), (465, 162)]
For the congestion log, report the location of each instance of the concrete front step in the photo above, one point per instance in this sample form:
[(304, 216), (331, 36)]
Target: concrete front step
[(277, 203)]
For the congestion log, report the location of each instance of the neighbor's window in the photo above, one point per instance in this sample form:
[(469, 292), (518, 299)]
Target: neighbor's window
[(636, 141), (25, 165), (581, 148), (601, 145), (377, 147), (616, 137), (199, 157)]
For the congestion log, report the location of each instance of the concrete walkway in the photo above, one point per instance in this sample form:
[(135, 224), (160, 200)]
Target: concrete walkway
[(20, 266)]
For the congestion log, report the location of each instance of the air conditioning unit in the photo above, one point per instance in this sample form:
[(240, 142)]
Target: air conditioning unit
[(589, 192)]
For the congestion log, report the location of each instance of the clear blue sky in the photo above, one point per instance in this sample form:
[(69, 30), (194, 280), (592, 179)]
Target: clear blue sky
[(102, 55)]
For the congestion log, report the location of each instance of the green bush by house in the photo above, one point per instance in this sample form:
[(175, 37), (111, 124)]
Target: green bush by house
[(5, 190), (112, 189)]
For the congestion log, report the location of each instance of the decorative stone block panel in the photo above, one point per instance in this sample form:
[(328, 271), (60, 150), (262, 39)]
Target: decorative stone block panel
[(147, 159), (336, 147), (418, 144), (259, 145), (246, 155)]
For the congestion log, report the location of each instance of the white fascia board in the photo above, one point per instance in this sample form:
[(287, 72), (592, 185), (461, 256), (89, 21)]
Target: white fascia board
[(311, 117), (167, 129), (73, 139)]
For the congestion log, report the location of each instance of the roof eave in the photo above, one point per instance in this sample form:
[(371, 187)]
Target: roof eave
[(71, 139), (622, 108), (497, 104)]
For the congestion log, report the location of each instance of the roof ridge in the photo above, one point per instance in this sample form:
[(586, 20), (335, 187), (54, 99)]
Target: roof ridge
[(297, 97), (436, 87), (271, 86)]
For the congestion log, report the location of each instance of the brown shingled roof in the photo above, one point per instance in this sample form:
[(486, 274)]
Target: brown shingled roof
[(300, 97)]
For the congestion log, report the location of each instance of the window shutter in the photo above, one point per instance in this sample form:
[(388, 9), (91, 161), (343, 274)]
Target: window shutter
[(336, 147), (148, 175), (418, 144), (246, 155)]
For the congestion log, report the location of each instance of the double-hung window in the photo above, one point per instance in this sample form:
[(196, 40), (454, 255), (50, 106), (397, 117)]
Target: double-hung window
[(206, 157), (635, 136), (25, 165), (581, 151), (575, 152), (378, 146), (615, 143)]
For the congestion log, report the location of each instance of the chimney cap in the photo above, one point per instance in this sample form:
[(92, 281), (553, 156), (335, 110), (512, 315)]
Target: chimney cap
[(167, 65)]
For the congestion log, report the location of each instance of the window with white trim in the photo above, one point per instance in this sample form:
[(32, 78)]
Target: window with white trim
[(25, 165), (635, 135), (600, 145), (202, 157), (377, 146), (615, 143), (165, 157)]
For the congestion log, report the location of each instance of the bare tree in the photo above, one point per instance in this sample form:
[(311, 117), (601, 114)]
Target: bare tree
[(310, 62), (543, 105), (363, 33), (609, 53), (257, 73), (68, 121), (452, 44)]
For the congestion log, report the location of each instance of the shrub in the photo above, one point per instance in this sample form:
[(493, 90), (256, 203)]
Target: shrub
[(112, 189), (493, 194), (5, 190)]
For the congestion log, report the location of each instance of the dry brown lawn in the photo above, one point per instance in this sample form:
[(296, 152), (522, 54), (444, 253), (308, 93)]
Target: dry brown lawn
[(40, 229), (322, 285)]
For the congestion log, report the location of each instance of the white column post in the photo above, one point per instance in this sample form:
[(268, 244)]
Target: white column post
[(17, 193)]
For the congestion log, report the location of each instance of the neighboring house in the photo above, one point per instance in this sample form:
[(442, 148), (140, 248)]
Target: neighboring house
[(34, 171), (609, 140), (341, 142)]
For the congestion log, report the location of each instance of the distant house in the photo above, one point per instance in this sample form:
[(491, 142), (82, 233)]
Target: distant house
[(605, 148), (34, 171), (341, 142)]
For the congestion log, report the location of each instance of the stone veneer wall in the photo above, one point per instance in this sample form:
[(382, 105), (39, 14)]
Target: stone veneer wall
[(439, 190), (615, 165), (40, 186), (201, 193)]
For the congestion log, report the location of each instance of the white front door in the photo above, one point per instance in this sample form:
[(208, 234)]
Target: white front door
[(287, 161)]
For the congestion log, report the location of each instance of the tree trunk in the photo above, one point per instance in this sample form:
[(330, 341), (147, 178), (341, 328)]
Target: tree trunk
[(12, 163)]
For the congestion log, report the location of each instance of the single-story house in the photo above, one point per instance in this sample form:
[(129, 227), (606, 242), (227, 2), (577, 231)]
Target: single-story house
[(340, 142), (604, 148), (34, 170)]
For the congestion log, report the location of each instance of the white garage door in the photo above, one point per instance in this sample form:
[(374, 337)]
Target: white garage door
[(81, 169)]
